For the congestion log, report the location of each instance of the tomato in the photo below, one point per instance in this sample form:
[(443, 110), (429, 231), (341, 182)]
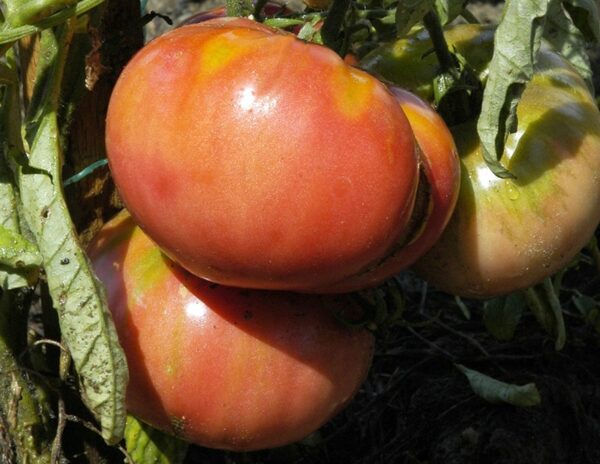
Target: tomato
[(437, 194), (507, 235), (411, 63), (255, 159), (225, 367)]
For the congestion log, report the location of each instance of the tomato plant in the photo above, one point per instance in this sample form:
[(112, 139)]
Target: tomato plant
[(508, 234), (225, 367), (278, 165)]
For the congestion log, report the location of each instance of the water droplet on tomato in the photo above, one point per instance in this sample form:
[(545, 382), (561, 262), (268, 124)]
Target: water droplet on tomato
[(512, 190)]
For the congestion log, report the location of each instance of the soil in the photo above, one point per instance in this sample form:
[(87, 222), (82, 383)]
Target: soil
[(416, 407)]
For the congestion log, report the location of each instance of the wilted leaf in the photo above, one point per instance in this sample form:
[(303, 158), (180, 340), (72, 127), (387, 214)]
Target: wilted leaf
[(495, 391), (566, 37), (86, 326), (146, 445), (517, 41), (502, 315)]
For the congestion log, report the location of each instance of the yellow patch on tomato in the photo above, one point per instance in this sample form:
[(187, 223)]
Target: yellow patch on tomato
[(220, 51), (148, 268), (352, 91)]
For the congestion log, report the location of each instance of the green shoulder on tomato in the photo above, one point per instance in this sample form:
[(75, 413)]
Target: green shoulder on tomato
[(507, 235)]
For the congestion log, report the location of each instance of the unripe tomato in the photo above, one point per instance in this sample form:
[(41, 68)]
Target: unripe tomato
[(225, 367), (437, 193), (411, 63), (255, 159), (507, 235)]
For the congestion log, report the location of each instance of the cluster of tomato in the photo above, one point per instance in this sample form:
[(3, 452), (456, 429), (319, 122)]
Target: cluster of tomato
[(257, 161)]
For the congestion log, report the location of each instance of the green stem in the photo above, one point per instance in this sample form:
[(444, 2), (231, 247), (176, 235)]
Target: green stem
[(561, 335)]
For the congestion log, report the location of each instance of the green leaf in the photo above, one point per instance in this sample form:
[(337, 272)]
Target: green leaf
[(495, 391), (12, 34), (409, 13), (146, 445), (79, 298), (502, 315), (567, 38), (311, 32), (21, 12), (449, 10), (19, 257), (517, 41), (16, 252)]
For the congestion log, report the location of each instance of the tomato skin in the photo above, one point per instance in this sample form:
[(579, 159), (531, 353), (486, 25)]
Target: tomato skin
[(441, 167), (276, 165), (506, 235), (225, 367)]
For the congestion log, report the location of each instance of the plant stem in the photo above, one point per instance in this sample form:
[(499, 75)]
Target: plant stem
[(561, 335), (440, 46)]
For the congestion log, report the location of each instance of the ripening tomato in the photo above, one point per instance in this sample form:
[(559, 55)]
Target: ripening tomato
[(255, 159), (436, 196), (507, 235), (225, 367)]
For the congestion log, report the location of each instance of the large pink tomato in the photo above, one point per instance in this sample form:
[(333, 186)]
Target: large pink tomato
[(255, 159), (436, 197), (225, 367)]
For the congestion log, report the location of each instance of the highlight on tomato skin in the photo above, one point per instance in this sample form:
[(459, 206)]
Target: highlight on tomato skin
[(223, 367), (437, 195), (278, 165)]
